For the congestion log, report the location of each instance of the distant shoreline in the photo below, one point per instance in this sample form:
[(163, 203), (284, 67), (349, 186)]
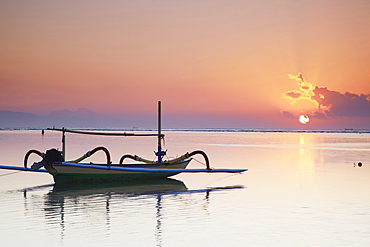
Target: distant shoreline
[(229, 130)]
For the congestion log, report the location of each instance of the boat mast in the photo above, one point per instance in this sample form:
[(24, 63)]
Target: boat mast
[(64, 144), (159, 154)]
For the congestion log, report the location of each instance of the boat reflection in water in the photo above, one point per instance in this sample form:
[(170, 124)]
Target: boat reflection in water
[(131, 188), (107, 209)]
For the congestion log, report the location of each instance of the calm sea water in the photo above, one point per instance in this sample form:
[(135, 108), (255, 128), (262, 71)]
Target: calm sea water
[(302, 189)]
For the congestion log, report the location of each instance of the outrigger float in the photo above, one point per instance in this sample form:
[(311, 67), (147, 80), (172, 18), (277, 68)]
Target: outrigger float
[(143, 170)]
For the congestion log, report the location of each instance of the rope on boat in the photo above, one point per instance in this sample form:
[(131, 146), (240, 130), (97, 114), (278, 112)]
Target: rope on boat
[(202, 163), (182, 157), (204, 155)]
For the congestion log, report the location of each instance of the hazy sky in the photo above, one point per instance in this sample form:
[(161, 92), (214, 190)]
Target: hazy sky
[(231, 63)]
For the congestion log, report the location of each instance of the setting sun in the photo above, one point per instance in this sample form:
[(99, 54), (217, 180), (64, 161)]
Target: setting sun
[(303, 119)]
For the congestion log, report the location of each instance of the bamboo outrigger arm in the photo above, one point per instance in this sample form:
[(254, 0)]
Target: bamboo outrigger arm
[(89, 153), (32, 151), (182, 157), (102, 133)]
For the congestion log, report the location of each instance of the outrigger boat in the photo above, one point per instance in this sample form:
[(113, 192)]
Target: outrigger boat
[(146, 170)]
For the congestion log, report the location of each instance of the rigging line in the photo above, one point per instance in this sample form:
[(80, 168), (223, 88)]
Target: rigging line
[(164, 142), (10, 173), (200, 162)]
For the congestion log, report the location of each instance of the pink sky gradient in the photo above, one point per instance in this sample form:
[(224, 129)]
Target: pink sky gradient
[(228, 60)]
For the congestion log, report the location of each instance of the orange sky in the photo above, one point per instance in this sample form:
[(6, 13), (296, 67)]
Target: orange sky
[(211, 58)]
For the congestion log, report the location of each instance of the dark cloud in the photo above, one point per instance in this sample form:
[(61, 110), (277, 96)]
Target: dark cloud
[(292, 94), (328, 103), (316, 114), (288, 114), (335, 104)]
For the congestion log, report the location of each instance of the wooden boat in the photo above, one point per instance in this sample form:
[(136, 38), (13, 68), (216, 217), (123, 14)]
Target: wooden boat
[(63, 171)]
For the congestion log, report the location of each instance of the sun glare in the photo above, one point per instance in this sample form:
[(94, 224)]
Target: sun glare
[(303, 119)]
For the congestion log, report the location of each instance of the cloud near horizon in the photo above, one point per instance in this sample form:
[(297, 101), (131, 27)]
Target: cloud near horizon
[(327, 103)]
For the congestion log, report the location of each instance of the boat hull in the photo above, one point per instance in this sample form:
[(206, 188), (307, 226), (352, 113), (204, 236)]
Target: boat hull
[(65, 172)]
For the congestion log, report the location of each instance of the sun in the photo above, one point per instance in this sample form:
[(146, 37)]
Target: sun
[(303, 119)]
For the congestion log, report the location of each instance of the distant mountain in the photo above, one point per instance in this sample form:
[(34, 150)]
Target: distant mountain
[(18, 119), (82, 113), (82, 118), (19, 115), (60, 113)]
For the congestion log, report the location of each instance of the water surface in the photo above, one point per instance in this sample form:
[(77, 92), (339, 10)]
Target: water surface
[(302, 189)]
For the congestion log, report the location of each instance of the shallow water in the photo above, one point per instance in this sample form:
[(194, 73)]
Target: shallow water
[(302, 189)]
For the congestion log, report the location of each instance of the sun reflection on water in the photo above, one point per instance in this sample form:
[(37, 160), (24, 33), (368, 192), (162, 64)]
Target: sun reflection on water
[(306, 155)]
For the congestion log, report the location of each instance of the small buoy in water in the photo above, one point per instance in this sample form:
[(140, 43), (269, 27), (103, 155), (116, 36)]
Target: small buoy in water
[(359, 164)]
